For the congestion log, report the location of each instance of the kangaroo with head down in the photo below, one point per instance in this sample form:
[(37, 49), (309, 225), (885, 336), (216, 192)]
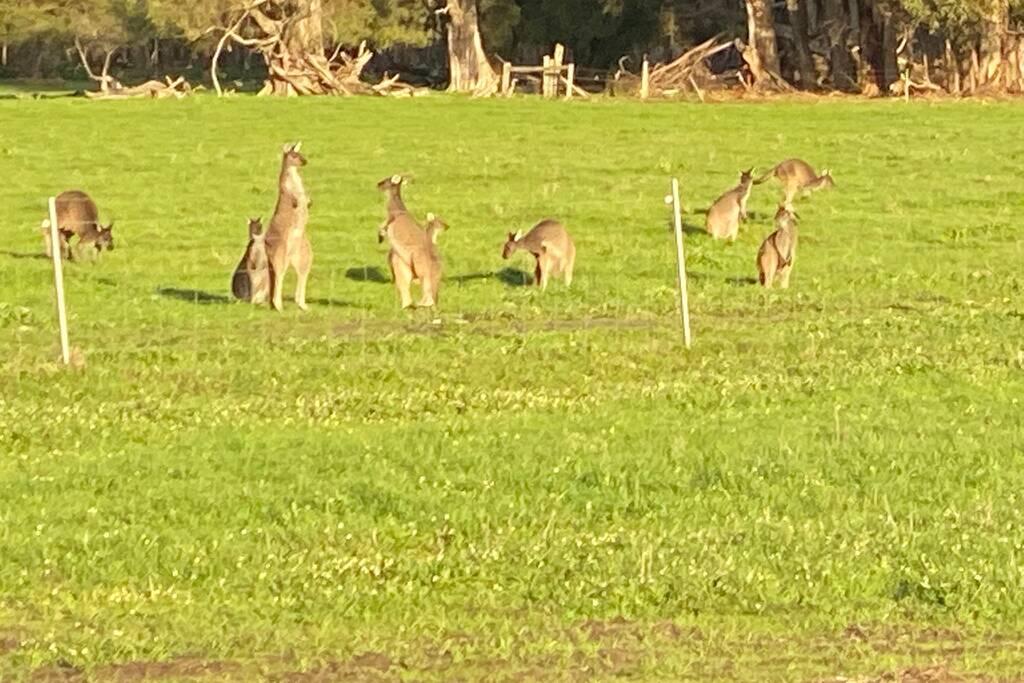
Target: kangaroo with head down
[(414, 256), (77, 215), (551, 246), (797, 177), (251, 281), (777, 254), (287, 243), (724, 216)]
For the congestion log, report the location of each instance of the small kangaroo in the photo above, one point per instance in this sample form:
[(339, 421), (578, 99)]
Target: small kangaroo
[(251, 281), (286, 240), (724, 216), (797, 177), (778, 251), (77, 215), (550, 244), (414, 256)]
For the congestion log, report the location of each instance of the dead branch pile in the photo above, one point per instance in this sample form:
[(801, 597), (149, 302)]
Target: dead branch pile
[(340, 74), (691, 72), (113, 89)]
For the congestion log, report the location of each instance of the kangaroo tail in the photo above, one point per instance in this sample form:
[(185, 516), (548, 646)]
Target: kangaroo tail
[(761, 278)]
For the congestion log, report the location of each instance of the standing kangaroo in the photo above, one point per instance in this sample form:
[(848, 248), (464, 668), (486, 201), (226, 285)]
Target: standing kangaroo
[(392, 187), (724, 216), (77, 215), (550, 244), (414, 256), (797, 176), (286, 240), (251, 281), (778, 251)]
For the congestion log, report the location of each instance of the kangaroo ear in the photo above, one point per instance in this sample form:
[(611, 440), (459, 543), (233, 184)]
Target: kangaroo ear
[(287, 148), (396, 179), (45, 225), (431, 218), (518, 236), (297, 146)]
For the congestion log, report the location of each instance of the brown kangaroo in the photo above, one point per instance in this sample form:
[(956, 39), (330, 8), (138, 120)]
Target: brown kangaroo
[(550, 244), (286, 240), (724, 216), (797, 176), (392, 187), (778, 251), (414, 256), (251, 281), (77, 215)]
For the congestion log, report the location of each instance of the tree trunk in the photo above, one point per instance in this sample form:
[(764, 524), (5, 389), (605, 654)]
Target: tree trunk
[(805, 64), (890, 63), (990, 49), (843, 76), (761, 37), (468, 68), (302, 36)]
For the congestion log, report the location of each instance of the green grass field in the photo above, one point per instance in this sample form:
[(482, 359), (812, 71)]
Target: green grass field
[(517, 486)]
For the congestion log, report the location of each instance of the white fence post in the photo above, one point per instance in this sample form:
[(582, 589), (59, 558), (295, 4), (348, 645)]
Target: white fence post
[(684, 304), (58, 281)]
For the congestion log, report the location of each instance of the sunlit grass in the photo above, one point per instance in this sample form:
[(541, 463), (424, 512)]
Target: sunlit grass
[(476, 485)]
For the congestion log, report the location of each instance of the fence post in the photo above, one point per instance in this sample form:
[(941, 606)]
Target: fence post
[(684, 304), (570, 80), (506, 78), (557, 63), (58, 281), (645, 79), (546, 79)]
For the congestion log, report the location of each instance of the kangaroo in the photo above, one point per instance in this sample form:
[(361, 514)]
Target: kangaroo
[(287, 243), (797, 176), (778, 251), (550, 244), (435, 226), (724, 216), (251, 281), (414, 256), (393, 188), (77, 215)]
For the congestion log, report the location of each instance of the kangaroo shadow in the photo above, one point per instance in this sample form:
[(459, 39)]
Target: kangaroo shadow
[(194, 296), (332, 303), (688, 228), (22, 254), (742, 281), (513, 277), (367, 274)]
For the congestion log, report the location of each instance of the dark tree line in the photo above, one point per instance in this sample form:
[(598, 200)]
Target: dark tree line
[(868, 46)]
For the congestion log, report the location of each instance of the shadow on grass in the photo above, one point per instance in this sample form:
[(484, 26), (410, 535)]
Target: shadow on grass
[(194, 296), (511, 277), (23, 254), (367, 274), (741, 281), (333, 303)]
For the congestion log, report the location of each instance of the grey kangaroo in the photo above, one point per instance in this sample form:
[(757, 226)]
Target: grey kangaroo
[(288, 245)]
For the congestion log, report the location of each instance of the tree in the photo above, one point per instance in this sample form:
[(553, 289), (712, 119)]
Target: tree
[(797, 10), (468, 67), (762, 53)]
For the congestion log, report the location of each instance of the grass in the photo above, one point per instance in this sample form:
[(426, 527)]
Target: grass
[(518, 485)]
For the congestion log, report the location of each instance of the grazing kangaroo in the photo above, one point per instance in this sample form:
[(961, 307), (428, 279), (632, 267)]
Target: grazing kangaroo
[(551, 245), (724, 216), (414, 256), (251, 281), (77, 215), (286, 240), (778, 251), (797, 176)]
